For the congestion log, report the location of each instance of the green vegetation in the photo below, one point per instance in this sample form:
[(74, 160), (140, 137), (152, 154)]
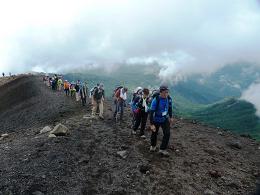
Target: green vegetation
[(211, 99), (232, 114)]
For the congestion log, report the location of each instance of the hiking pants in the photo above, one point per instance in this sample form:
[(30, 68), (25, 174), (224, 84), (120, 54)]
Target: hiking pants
[(98, 104), (166, 134), (119, 108), (77, 96), (84, 101), (67, 91), (141, 118)]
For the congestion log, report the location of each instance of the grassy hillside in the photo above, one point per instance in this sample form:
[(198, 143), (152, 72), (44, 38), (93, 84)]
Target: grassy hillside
[(210, 99), (232, 114)]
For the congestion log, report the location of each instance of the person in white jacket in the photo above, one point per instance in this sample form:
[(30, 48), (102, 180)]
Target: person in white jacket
[(121, 97)]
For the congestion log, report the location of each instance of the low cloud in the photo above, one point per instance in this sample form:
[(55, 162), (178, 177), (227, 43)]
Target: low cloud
[(181, 37), (252, 95)]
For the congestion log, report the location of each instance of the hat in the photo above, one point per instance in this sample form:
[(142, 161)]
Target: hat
[(138, 89), (163, 88)]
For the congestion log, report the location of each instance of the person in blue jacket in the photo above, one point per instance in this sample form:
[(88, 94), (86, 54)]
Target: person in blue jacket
[(161, 116)]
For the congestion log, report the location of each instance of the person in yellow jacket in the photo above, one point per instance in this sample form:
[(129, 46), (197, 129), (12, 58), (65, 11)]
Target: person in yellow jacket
[(60, 82)]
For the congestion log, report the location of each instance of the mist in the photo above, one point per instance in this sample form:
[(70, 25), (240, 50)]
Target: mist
[(181, 37), (252, 95)]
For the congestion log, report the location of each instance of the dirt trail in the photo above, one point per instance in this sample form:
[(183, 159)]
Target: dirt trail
[(203, 160)]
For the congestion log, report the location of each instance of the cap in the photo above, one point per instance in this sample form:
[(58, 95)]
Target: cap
[(163, 88)]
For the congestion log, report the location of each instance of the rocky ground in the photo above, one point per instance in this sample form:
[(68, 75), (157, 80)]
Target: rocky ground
[(101, 157)]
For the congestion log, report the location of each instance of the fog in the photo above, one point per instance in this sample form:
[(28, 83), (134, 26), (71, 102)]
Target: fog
[(252, 94), (182, 37)]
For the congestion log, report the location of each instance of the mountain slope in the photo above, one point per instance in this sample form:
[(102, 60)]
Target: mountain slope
[(194, 96), (229, 81), (236, 115), (202, 159), (24, 104)]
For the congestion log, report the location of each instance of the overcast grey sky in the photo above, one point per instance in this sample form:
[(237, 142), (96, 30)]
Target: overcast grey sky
[(182, 36)]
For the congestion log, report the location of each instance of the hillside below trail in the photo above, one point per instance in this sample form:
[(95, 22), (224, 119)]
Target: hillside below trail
[(101, 157)]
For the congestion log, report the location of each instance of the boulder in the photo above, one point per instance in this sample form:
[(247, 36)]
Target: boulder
[(60, 130), (220, 133), (215, 174), (45, 130), (52, 135), (4, 135), (122, 154), (235, 144), (208, 192), (38, 193)]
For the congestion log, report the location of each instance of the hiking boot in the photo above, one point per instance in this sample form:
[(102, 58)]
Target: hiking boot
[(143, 136), (164, 153), (133, 132), (152, 148)]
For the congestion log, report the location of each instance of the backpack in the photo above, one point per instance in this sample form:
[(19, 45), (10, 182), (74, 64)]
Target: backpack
[(92, 91), (117, 91), (98, 94)]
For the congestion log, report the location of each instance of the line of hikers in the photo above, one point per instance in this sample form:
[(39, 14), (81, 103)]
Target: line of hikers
[(10, 74), (76, 90), (155, 105), (79, 91)]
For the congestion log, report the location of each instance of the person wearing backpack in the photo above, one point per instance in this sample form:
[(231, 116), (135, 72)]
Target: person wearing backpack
[(98, 101), (137, 93), (77, 87), (141, 113), (120, 101), (161, 116), (83, 94), (60, 83), (91, 93), (66, 87), (56, 82), (53, 84)]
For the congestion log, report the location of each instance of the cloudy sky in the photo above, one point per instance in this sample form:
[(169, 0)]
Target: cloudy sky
[(181, 36)]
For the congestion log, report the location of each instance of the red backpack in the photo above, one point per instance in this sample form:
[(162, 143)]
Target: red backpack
[(117, 92)]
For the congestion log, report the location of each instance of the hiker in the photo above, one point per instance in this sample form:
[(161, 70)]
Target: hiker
[(77, 88), (137, 93), (3, 74), (66, 87), (120, 102), (83, 94), (92, 92), (161, 116), (72, 90), (50, 82), (98, 101), (60, 84), (141, 112), (53, 84), (46, 80), (56, 82)]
